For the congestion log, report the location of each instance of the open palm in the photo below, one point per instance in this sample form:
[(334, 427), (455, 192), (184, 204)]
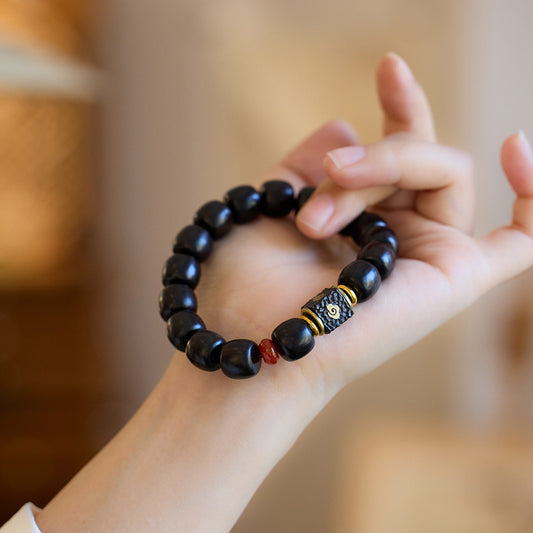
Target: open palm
[(264, 271)]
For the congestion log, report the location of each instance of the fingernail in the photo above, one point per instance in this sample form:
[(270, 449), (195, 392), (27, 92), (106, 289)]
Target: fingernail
[(403, 67), (316, 213), (525, 144), (344, 157)]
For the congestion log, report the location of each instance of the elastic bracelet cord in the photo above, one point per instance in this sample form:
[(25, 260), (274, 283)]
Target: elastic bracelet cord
[(294, 338)]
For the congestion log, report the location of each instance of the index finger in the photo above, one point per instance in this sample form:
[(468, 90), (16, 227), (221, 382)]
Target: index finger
[(403, 100)]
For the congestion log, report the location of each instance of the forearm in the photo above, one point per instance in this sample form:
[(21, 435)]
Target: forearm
[(189, 460)]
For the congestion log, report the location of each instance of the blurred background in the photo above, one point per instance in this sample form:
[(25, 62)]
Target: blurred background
[(116, 117)]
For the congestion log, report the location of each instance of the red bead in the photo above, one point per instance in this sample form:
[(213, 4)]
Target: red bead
[(268, 352)]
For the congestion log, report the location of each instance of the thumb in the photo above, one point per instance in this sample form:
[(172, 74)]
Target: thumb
[(332, 207)]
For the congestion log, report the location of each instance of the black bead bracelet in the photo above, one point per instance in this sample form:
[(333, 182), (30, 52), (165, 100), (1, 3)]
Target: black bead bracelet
[(294, 338)]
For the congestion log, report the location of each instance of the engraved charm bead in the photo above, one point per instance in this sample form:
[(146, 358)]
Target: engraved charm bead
[(328, 310)]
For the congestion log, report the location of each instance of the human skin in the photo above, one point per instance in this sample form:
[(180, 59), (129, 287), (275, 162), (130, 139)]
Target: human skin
[(193, 455)]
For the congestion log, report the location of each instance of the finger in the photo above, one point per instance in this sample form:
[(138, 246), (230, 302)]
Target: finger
[(403, 100), (442, 177), (332, 207), (400, 200), (400, 160), (509, 250), (304, 165)]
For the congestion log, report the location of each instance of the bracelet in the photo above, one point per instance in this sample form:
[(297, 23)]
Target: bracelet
[(294, 338)]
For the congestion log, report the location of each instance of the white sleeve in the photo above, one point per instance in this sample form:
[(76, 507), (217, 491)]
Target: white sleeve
[(23, 521)]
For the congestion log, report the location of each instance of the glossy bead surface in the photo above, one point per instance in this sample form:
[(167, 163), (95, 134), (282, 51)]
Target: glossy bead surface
[(361, 224), (379, 234), (381, 255), (362, 277), (303, 196), (215, 217), (181, 268), (181, 326), (277, 198), (268, 352), (244, 202), (240, 359), (203, 350), (174, 298), (194, 240), (293, 339)]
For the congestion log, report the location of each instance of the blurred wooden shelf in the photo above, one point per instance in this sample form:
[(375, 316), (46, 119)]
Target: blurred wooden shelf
[(60, 26), (60, 396)]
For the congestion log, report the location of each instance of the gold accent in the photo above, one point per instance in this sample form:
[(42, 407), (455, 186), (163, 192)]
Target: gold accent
[(315, 318), (312, 325), (349, 294), (334, 311)]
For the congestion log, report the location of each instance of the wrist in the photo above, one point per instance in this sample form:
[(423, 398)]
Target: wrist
[(200, 441), (223, 437)]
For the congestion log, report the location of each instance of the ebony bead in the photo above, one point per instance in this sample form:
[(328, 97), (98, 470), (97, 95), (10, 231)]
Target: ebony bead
[(293, 339), (379, 234), (240, 358), (361, 224), (181, 326), (203, 350), (215, 217), (244, 202), (277, 198), (194, 240), (181, 268), (381, 255), (362, 277), (303, 196), (176, 298)]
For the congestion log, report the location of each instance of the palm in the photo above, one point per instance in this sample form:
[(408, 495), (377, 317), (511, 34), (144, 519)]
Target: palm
[(264, 271)]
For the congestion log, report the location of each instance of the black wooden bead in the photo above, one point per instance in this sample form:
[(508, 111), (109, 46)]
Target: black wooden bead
[(277, 198), (293, 339), (244, 202), (203, 350), (181, 326), (303, 196), (240, 358), (381, 255), (361, 224), (174, 298), (379, 234), (362, 277), (194, 240), (181, 268), (215, 217)]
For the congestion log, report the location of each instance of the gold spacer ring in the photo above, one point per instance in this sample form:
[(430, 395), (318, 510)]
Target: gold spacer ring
[(349, 294), (315, 319), (312, 325)]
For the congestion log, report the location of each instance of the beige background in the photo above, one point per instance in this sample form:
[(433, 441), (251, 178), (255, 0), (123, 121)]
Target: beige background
[(205, 95)]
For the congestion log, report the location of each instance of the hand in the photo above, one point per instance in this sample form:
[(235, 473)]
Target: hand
[(202, 441), (424, 191)]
